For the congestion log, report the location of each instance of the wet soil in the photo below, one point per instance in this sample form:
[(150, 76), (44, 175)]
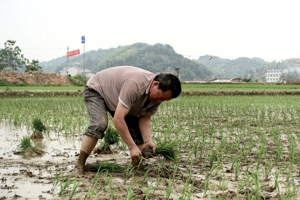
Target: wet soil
[(27, 177)]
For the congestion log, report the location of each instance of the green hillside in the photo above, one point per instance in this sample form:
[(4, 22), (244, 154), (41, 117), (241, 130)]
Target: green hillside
[(154, 58), (236, 68)]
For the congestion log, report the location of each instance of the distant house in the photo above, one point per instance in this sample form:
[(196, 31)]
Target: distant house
[(75, 71), (222, 80), (227, 80), (273, 75), (236, 80)]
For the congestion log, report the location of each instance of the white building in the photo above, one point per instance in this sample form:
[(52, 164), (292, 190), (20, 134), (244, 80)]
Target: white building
[(273, 75)]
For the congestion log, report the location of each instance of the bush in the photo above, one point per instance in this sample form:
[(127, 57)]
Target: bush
[(77, 80), (247, 80), (3, 82)]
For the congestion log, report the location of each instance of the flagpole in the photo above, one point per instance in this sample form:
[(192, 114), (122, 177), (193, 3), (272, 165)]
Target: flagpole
[(84, 57), (83, 42)]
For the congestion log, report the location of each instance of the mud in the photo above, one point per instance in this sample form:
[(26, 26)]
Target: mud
[(27, 177)]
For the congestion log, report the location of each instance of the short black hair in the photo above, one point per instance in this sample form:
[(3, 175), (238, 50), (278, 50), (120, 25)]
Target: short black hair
[(169, 82)]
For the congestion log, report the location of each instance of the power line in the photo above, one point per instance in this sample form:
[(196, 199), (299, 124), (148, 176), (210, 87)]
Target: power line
[(43, 48)]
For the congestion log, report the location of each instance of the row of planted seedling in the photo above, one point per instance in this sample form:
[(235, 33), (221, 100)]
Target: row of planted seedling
[(62, 115), (218, 131)]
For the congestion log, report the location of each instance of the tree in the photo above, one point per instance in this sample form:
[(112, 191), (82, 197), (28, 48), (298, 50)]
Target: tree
[(11, 56), (247, 79), (33, 66)]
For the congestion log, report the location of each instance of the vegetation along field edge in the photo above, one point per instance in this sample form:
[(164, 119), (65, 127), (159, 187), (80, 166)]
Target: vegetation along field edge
[(187, 87)]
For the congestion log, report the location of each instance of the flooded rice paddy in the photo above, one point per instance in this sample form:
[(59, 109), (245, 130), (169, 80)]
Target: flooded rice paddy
[(231, 147)]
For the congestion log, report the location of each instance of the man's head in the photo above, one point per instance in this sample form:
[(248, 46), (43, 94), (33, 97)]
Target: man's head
[(164, 87)]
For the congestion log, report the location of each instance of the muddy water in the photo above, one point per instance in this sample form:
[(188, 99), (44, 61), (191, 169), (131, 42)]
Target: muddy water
[(55, 146), (16, 173)]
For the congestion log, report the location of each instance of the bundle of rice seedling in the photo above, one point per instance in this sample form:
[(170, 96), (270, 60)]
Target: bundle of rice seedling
[(111, 137), (167, 150), (26, 148), (38, 128), (103, 167)]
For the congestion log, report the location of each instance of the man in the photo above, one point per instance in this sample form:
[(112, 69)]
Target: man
[(131, 95)]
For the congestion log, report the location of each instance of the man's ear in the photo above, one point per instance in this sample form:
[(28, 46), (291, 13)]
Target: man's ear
[(155, 83)]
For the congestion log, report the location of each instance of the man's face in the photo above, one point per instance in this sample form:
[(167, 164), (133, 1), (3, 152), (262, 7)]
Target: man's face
[(157, 95)]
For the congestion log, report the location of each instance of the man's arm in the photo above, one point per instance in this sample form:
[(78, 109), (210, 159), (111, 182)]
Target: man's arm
[(145, 125), (122, 128)]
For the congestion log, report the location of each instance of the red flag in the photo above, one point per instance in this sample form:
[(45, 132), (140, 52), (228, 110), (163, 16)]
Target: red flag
[(73, 53)]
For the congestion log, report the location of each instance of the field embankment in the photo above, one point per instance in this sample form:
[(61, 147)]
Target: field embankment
[(188, 93), (34, 78)]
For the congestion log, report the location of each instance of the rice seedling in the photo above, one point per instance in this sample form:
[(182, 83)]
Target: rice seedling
[(261, 155), (65, 184), (148, 192), (129, 193), (169, 189), (277, 185), (244, 182), (256, 191), (206, 184), (111, 137), (237, 164), (57, 179), (103, 167), (38, 128), (26, 148), (167, 150), (268, 169), (145, 176), (75, 186), (91, 192)]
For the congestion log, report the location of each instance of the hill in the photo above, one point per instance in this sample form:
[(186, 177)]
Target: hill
[(154, 58), (237, 68)]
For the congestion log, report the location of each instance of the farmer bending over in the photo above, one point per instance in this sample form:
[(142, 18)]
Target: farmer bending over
[(131, 95)]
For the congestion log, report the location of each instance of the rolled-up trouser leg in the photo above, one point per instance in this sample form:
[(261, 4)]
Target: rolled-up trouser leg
[(97, 110)]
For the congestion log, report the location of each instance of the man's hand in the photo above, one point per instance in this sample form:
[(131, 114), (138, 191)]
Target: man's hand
[(136, 155), (150, 145)]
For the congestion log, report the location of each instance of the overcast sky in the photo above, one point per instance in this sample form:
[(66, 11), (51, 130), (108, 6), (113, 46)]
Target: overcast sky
[(43, 29)]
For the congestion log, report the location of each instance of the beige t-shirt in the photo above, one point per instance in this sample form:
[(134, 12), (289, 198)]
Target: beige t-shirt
[(127, 84)]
